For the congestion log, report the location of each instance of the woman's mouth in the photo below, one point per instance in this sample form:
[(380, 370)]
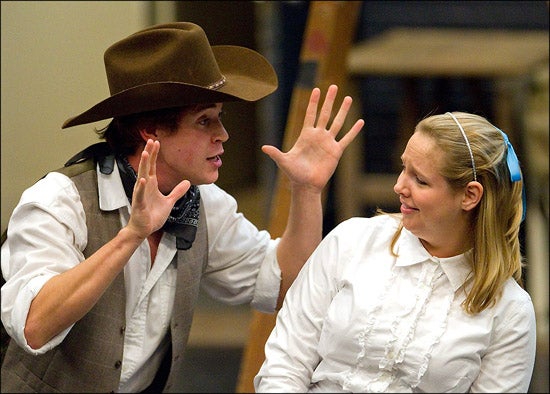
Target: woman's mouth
[(406, 209)]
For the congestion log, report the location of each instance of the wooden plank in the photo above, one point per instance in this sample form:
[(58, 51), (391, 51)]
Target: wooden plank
[(329, 31), (449, 52)]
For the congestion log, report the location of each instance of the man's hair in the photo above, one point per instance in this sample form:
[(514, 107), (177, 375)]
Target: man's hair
[(122, 133)]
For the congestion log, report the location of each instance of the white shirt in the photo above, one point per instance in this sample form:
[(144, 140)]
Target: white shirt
[(358, 319), (47, 234)]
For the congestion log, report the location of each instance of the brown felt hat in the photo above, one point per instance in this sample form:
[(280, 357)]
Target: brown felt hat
[(172, 65)]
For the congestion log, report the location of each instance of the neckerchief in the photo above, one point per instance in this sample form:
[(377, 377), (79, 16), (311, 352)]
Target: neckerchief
[(184, 217)]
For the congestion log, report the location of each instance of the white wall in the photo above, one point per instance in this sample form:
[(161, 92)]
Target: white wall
[(52, 69)]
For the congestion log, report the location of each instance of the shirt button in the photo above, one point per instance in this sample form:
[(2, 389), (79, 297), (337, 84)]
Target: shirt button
[(122, 330), (118, 364)]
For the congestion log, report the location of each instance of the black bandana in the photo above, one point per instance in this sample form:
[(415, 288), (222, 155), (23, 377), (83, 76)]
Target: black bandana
[(184, 218)]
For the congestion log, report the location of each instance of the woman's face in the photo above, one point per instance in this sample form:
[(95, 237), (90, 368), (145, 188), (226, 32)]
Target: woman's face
[(431, 209)]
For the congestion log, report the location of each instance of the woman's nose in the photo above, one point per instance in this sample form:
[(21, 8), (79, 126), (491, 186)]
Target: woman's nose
[(398, 188)]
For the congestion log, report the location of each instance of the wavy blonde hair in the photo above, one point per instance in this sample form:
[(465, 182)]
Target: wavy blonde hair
[(496, 220)]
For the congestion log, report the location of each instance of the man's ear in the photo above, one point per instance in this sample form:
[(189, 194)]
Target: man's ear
[(148, 133), (472, 195)]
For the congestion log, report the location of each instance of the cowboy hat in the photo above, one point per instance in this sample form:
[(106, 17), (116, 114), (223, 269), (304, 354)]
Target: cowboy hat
[(172, 65)]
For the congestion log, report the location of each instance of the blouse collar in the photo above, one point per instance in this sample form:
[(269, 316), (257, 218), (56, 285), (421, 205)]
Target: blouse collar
[(411, 251)]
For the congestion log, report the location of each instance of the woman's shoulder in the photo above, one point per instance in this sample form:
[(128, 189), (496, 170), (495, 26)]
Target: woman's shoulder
[(513, 293), (375, 224), (366, 231), (515, 305)]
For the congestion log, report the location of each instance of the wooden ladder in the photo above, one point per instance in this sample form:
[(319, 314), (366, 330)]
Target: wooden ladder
[(330, 29)]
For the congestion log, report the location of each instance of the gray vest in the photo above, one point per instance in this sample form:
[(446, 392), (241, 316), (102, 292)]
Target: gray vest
[(90, 357)]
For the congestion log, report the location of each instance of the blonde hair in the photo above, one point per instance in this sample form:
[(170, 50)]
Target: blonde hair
[(496, 220)]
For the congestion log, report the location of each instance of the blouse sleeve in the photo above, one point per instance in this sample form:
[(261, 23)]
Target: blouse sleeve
[(507, 366), (292, 348)]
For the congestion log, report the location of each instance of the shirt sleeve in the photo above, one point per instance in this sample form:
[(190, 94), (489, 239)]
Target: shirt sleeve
[(508, 365), (242, 262), (46, 236)]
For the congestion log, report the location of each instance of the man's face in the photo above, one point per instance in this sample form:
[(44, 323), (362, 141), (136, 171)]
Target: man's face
[(194, 150)]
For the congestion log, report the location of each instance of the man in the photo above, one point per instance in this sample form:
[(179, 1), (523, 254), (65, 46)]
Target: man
[(104, 258)]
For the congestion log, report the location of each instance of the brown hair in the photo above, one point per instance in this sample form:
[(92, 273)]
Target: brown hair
[(122, 133)]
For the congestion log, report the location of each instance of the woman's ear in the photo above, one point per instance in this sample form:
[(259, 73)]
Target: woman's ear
[(472, 195)]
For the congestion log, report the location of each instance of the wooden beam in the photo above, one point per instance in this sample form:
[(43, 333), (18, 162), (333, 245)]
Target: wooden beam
[(328, 35)]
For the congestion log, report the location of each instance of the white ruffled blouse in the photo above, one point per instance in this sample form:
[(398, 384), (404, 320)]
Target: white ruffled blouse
[(358, 319)]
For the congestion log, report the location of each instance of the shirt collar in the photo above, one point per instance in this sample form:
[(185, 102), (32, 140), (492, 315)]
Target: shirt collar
[(111, 191), (411, 251), (457, 268)]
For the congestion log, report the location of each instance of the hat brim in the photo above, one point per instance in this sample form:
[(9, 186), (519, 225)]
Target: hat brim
[(248, 77)]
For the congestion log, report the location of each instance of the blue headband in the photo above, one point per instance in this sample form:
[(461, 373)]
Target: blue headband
[(513, 167)]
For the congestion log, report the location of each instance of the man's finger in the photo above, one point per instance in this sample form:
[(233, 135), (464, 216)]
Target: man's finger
[(311, 111)]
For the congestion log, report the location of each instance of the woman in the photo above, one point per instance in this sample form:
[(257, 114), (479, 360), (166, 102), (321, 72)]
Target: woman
[(428, 300)]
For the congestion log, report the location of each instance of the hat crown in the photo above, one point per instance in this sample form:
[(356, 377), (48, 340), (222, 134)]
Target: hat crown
[(174, 52), (173, 65)]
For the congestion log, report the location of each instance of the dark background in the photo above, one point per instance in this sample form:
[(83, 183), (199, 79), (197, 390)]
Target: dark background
[(233, 22)]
